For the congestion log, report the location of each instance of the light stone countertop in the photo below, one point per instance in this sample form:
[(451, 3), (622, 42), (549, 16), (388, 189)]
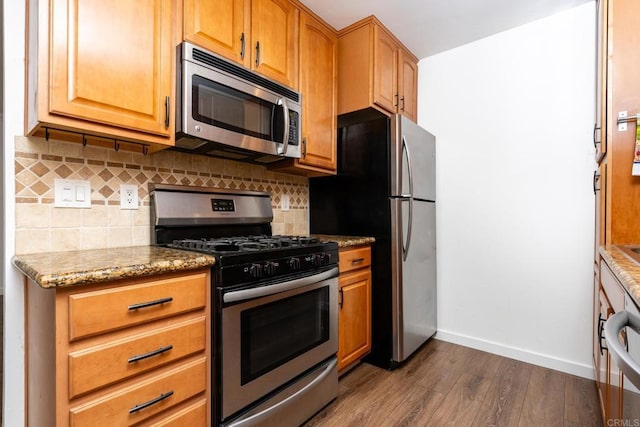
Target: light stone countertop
[(58, 269), (625, 269), (346, 241)]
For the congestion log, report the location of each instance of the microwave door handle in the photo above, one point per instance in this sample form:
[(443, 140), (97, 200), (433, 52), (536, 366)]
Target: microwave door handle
[(285, 110)]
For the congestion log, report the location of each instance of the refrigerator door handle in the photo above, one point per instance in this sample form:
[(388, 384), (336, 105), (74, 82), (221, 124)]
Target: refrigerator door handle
[(405, 249)]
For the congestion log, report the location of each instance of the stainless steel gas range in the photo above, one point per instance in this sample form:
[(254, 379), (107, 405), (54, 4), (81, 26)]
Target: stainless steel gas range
[(275, 298)]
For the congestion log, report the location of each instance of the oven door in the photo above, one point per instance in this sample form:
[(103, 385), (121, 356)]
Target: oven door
[(272, 334)]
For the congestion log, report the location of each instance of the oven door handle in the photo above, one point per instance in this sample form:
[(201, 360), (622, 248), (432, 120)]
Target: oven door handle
[(612, 328), (264, 291)]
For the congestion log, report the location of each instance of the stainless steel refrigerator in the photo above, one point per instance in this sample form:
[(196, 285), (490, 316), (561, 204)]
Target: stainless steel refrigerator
[(385, 188)]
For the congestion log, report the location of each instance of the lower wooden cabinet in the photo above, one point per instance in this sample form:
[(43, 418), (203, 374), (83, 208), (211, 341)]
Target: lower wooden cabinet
[(354, 301), (134, 351)]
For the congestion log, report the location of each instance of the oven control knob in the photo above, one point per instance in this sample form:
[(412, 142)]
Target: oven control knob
[(255, 271), (325, 258), (269, 268), (316, 260), (294, 264)]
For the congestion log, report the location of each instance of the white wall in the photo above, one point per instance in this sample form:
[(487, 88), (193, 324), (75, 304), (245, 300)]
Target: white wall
[(14, 57), (513, 114)]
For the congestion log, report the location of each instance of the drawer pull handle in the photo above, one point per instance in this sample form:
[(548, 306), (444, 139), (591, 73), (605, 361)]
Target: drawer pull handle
[(150, 354), (357, 260), (150, 303), (151, 402)]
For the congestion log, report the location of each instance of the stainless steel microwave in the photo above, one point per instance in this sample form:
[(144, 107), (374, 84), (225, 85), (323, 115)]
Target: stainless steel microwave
[(225, 110)]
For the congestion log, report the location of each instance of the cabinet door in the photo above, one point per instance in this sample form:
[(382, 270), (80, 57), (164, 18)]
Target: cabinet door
[(599, 191), (598, 356), (600, 130), (318, 47), (602, 354), (219, 25), (614, 410), (354, 318), (111, 62), (385, 69), (408, 86), (274, 35)]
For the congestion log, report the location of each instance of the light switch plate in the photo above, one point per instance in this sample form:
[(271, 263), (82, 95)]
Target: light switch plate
[(284, 202), (72, 193)]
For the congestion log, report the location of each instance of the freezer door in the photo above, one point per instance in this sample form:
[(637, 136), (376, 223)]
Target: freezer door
[(414, 276), (413, 160)]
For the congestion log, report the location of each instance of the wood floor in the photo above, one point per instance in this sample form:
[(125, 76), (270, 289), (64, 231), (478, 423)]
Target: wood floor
[(446, 384)]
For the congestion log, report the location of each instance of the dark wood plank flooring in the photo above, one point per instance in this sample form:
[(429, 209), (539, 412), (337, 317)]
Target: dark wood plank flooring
[(447, 384)]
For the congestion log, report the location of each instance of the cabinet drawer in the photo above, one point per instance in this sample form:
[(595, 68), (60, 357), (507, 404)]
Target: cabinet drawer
[(352, 259), (193, 415), (125, 407), (95, 312), (107, 363)]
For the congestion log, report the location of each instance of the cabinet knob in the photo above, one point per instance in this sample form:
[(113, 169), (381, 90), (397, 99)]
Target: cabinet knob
[(257, 54), (242, 46)]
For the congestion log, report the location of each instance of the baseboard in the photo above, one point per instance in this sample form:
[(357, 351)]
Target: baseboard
[(544, 360)]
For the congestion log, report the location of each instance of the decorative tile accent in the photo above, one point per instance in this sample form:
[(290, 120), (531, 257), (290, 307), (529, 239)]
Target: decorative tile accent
[(39, 162)]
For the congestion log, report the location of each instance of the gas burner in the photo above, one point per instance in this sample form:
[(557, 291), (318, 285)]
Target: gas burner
[(251, 243), (296, 240), (250, 246), (203, 245)]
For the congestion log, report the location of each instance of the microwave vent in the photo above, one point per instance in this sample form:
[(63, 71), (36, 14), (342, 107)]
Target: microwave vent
[(245, 74)]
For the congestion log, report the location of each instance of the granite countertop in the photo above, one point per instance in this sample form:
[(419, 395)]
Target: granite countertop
[(346, 241), (626, 270), (58, 269)]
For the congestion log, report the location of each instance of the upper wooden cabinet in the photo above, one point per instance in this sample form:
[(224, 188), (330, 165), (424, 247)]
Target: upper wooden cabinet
[(375, 70), (408, 85), (260, 34), (274, 31), (103, 68), (318, 70), (600, 119), (620, 93), (219, 25), (385, 68)]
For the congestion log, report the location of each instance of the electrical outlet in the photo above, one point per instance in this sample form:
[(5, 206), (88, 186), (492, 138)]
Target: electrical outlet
[(128, 196)]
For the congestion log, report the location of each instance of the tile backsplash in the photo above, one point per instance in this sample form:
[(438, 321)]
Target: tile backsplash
[(41, 228)]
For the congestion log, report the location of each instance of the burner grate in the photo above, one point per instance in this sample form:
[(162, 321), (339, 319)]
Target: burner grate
[(252, 243)]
